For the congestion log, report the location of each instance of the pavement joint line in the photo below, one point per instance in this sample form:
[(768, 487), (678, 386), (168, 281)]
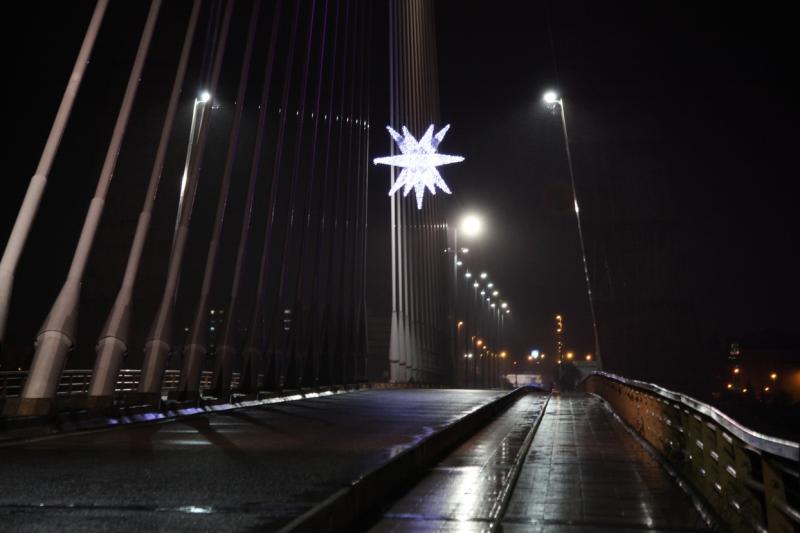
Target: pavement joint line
[(173, 415), (352, 505), (522, 454)]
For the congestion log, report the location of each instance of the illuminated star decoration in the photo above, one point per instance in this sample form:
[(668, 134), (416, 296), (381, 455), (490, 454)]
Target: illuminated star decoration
[(419, 160)]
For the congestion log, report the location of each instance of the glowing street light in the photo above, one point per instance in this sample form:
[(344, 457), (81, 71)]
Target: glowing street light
[(504, 305), (472, 225), (205, 96), (484, 275), (495, 293), (773, 376), (551, 97)]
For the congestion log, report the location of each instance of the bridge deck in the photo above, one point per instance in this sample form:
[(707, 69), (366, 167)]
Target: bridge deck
[(585, 471), (238, 470)]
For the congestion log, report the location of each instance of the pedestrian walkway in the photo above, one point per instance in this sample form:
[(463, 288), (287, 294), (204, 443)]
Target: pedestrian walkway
[(585, 472), (465, 491)]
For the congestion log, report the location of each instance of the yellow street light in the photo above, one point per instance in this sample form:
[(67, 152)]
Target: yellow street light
[(736, 370), (773, 376), (729, 386), (570, 355)]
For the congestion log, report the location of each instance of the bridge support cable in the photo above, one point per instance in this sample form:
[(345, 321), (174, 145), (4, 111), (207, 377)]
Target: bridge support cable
[(286, 312), (259, 335), (317, 304), (229, 341), (112, 344), (299, 340), (331, 349), (195, 350), (57, 334), (348, 299), (35, 191), (159, 340)]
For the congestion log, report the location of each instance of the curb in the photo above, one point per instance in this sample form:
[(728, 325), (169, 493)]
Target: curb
[(350, 506)]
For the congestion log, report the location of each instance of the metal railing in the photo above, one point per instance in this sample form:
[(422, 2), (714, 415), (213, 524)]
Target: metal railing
[(749, 479), (77, 382)]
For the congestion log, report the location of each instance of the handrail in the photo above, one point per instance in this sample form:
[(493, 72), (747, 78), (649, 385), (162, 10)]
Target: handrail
[(745, 476), (76, 381), (781, 447)]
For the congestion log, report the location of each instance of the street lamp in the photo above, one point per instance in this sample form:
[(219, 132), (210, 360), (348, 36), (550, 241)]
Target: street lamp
[(553, 99), (472, 225)]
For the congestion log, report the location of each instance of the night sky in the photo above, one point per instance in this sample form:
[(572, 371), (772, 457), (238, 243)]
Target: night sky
[(679, 122)]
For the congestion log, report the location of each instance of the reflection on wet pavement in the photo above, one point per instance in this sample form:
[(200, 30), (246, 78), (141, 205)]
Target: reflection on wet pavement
[(463, 492), (585, 471), (247, 469)]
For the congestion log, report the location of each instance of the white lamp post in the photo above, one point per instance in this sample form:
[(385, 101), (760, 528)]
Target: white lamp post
[(551, 98)]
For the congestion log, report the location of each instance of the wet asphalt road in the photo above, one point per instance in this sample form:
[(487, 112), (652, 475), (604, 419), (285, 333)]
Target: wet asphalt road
[(244, 470)]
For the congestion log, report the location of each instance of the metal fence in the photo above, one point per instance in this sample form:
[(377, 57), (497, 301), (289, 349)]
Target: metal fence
[(749, 479), (77, 382)]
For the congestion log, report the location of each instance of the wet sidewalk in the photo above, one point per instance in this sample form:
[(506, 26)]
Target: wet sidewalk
[(585, 472), (464, 491)]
